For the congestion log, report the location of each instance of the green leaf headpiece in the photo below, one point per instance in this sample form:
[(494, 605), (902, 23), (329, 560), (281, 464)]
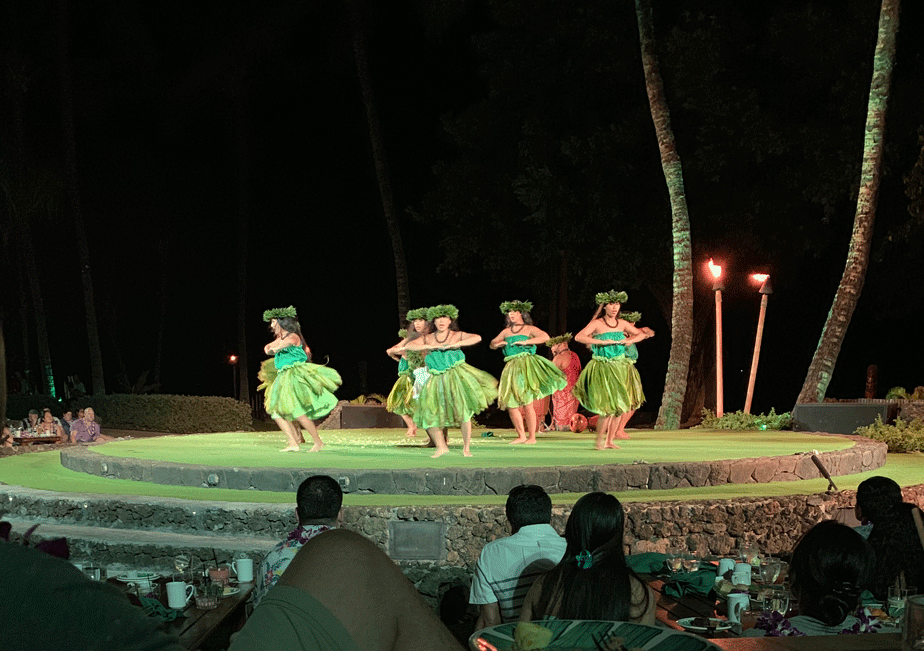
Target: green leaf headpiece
[(631, 317), (560, 339), (279, 313), (437, 311), (402, 333), (515, 306), (612, 296), (419, 313)]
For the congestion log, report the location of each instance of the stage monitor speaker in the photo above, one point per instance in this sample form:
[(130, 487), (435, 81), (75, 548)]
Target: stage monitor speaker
[(840, 417), (368, 417)]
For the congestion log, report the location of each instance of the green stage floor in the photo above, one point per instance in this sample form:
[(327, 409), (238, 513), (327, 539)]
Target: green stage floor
[(388, 449)]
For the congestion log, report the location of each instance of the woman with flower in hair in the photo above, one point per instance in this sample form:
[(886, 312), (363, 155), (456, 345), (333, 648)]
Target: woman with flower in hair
[(294, 388), (609, 385), (401, 400), (526, 377), (830, 567), (592, 581), (455, 391)]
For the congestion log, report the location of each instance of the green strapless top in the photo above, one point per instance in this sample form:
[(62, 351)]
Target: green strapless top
[(440, 361), (511, 351), (288, 356), (403, 367), (609, 352)]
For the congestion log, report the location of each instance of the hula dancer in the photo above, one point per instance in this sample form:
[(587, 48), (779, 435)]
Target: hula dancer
[(402, 400), (564, 404), (609, 385), (455, 391), (632, 356), (526, 377), (294, 388)]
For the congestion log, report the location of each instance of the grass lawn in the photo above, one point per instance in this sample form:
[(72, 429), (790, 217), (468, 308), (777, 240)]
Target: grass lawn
[(386, 449)]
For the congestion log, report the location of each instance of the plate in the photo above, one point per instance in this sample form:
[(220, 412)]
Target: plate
[(687, 624), (230, 591), (127, 577)]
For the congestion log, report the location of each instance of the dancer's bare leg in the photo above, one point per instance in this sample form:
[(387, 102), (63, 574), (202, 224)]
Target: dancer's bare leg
[(466, 438), (621, 424), (603, 427), (411, 426), (438, 437), (298, 432), (516, 417), (532, 422), (611, 432), (287, 429), (349, 576), (309, 425)]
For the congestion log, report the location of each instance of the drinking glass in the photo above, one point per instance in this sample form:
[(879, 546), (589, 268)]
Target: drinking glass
[(182, 563), (674, 562), (769, 570), (778, 601), (913, 624), (897, 599), (690, 563), (747, 552)]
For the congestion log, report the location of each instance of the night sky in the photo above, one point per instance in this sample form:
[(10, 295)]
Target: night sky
[(172, 98)]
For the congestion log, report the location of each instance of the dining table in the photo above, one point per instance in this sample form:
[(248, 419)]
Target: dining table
[(204, 628)]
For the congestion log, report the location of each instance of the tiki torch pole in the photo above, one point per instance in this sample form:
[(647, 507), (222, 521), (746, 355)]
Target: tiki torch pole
[(765, 291), (717, 287)]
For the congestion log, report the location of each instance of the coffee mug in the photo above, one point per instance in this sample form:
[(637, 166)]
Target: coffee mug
[(179, 594), (243, 568), (738, 602), (913, 624), (742, 574), (726, 565)]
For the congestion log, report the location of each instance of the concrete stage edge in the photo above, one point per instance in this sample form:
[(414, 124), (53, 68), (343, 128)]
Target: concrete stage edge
[(864, 455)]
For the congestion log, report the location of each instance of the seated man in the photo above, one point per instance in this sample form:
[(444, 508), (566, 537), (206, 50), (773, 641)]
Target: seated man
[(318, 508), (508, 567), (32, 421), (342, 593), (86, 430), (66, 423)]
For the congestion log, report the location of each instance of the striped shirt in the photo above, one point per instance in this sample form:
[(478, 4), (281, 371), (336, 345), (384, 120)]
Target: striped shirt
[(508, 567)]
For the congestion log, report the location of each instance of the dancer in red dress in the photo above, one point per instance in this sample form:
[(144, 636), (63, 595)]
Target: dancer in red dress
[(564, 404)]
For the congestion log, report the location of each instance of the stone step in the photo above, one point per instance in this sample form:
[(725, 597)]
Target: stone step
[(158, 514), (122, 549)]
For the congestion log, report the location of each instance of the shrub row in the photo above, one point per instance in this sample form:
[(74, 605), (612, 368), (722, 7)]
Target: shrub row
[(903, 436), (739, 420)]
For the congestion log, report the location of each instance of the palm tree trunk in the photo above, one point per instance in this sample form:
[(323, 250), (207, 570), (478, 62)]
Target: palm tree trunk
[(682, 307), (83, 248), (381, 166), (848, 291)]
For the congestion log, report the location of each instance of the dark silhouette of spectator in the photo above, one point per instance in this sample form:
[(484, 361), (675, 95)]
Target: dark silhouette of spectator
[(894, 537)]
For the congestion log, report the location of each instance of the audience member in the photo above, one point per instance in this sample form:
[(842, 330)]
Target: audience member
[(318, 508), (894, 537), (830, 567), (6, 438), (48, 427), (98, 617), (67, 421), (31, 422), (46, 410), (508, 567), (592, 581), (86, 430), (342, 593)]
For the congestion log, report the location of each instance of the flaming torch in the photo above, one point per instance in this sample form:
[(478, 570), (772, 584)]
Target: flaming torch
[(717, 287), (765, 291)]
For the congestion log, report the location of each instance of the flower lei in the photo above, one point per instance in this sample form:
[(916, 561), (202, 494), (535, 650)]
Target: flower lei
[(777, 625)]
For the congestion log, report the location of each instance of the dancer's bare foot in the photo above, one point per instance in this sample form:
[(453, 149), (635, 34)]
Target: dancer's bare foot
[(466, 453), (518, 440), (531, 440), (611, 446), (439, 452), (599, 447), (621, 434), (291, 448), (428, 444), (317, 446)]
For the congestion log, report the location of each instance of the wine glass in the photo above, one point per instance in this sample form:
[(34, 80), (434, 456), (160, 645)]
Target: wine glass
[(769, 570), (181, 562), (674, 562), (690, 563)]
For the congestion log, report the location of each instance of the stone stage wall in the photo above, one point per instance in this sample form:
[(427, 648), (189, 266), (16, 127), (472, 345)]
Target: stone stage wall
[(865, 455)]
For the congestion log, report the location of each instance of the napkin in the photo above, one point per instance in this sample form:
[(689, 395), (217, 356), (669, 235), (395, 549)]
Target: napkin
[(698, 582), (153, 608), (646, 563)]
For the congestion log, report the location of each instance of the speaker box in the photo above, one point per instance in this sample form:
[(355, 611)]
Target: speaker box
[(840, 417)]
